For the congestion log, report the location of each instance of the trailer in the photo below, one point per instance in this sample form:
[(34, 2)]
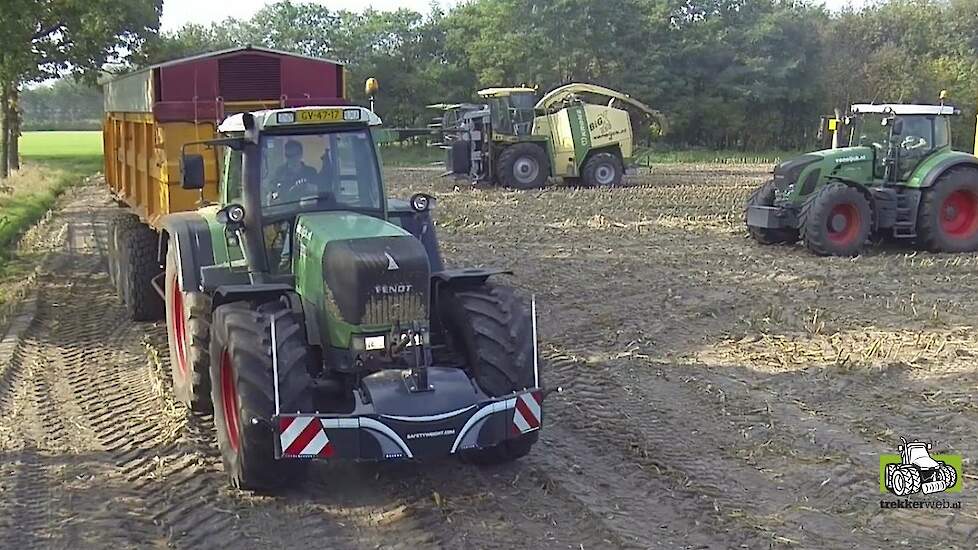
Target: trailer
[(151, 118)]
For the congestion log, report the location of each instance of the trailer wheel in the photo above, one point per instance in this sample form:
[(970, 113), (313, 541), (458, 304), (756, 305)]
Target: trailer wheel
[(948, 216), (117, 230), (242, 389), (491, 329), (836, 220), (188, 332), (602, 170), (764, 196), (140, 265), (523, 166)]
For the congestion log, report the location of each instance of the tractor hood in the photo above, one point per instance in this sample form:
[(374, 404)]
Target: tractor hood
[(361, 274), (796, 178)]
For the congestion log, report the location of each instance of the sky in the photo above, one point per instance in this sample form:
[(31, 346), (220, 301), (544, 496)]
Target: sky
[(176, 13)]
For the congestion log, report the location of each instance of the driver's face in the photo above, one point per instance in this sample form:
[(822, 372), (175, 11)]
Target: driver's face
[(293, 159)]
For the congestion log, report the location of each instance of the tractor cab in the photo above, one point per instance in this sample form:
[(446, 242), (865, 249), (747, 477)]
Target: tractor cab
[(512, 109), (901, 136)]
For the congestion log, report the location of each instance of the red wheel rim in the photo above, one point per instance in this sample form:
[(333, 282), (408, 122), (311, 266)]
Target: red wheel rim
[(229, 400), (179, 326), (959, 214), (843, 223)]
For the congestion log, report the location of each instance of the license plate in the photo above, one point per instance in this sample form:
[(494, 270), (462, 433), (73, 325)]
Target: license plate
[(319, 115)]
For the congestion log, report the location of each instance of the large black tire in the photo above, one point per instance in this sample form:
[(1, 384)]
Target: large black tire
[(188, 331), (603, 170), (948, 474), (242, 389), (764, 196), (948, 214), (140, 246), (118, 228), (523, 166), (490, 327), (836, 220)]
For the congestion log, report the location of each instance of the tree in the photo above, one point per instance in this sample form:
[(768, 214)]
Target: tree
[(46, 38)]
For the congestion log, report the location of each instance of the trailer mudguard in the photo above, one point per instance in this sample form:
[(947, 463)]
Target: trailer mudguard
[(189, 232)]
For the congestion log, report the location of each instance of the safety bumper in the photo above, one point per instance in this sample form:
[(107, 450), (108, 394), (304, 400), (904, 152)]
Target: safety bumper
[(373, 436), (771, 217)]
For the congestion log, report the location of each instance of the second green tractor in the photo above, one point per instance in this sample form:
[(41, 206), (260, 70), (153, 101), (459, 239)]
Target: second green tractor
[(898, 178)]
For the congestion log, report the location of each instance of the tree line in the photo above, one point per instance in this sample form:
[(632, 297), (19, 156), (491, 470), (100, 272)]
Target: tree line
[(728, 74)]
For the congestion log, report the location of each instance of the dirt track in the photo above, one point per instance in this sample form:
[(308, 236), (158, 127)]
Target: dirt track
[(717, 394)]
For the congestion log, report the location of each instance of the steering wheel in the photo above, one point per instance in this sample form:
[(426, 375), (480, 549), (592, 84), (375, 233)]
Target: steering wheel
[(284, 190)]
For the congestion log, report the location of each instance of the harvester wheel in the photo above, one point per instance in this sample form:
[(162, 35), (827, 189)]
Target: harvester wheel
[(836, 220), (948, 219), (116, 239), (242, 389), (602, 170), (523, 166), (491, 328), (188, 330), (764, 196), (140, 265)]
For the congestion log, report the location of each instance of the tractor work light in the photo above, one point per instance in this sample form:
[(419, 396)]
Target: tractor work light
[(236, 213), (351, 114), (421, 202), (285, 118), (368, 343)]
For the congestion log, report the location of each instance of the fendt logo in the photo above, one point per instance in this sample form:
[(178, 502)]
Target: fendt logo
[(915, 470)]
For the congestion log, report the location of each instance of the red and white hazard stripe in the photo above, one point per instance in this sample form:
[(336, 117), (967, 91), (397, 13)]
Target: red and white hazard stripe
[(527, 414), (303, 436)]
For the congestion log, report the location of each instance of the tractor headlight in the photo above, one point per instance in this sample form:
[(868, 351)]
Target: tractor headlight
[(421, 202)]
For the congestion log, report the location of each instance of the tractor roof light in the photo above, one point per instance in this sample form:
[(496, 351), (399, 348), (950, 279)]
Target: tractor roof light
[(287, 117), (351, 114)]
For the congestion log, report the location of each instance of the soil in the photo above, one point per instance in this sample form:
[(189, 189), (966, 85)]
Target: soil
[(715, 393)]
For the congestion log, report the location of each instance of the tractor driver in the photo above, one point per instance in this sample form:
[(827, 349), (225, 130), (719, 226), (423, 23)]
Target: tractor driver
[(914, 129), (293, 179)]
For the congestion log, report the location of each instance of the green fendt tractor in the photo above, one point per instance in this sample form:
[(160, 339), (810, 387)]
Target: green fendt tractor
[(898, 178), (316, 318)]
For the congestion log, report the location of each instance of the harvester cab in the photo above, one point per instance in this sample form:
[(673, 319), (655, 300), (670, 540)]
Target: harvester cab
[(334, 329), (899, 177), (517, 141)]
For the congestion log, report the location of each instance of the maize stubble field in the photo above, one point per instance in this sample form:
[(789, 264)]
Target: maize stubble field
[(716, 393)]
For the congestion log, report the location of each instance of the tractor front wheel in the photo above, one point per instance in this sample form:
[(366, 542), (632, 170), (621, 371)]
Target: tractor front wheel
[(906, 481), (523, 166), (602, 170), (188, 332), (242, 389), (490, 327), (764, 196), (836, 220), (948, 219)]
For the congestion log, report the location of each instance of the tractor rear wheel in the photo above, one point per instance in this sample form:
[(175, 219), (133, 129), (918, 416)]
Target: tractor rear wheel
[(949, 475), (602, 170), (764, 196), (140, 245), (836, 220), (242, 389), (490, 327), (523, 166), (188, 331), (948, 219)]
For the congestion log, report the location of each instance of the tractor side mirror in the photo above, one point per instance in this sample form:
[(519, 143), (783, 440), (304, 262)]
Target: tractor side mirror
[(899, 448), (929, 446), (192, 167)]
